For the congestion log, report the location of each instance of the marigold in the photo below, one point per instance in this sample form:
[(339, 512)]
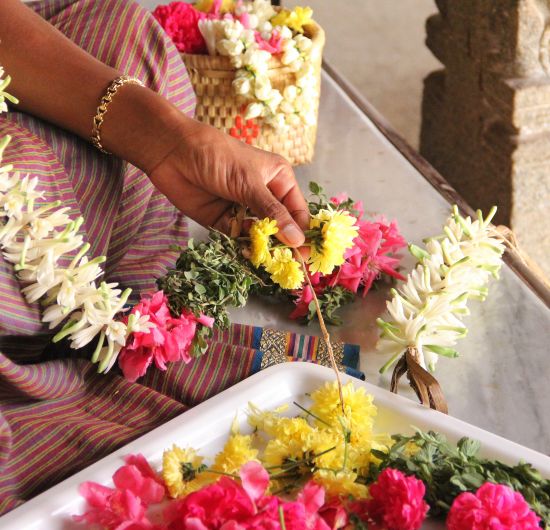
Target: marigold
[(295, 19), (284, 269), (260, 233), (335, 232), (340, 483), (182, 471), (358, 405), (237, 451)]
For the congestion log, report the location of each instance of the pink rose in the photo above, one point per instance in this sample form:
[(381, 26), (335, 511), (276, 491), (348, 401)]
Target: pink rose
[(492, 507)]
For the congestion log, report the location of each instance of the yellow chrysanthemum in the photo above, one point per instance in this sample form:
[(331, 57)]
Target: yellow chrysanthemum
[(340, 484), (264, 420), (206, 5), (358, 405), (260, 233), (237, 451), (295, 19), (284, 269), (182, 471), (337, 230)]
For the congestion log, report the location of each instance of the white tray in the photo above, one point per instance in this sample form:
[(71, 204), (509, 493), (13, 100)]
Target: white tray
[(206, 426)]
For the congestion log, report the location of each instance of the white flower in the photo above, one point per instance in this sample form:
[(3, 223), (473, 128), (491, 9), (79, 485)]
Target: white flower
[(230, 48), (242, 86), (232, 29), (116, 331), (278, 122), (290, 92), (257, 61), (263, 10), (287, 107), (426, 311), (285, 32), (254, 110), (274, 100), (262, 88), (290, 55), (253, 21), (265, 27), (303, 43)]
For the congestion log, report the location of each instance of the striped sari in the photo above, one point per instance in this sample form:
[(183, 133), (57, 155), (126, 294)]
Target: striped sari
[(57, 415)]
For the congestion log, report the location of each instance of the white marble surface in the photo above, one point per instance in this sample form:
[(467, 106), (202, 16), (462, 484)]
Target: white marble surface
[(499, 381)]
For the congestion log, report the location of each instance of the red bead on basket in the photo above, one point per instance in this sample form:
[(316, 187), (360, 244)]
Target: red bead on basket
[(245, 130)]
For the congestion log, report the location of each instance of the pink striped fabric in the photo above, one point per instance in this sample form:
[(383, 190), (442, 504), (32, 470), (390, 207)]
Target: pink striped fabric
[(59, 415)]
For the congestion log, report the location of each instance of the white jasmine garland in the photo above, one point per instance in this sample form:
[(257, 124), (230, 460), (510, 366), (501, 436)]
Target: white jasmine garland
[(426, 311), (37, 239)]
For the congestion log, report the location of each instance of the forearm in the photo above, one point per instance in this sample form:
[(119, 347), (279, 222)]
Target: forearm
[(59, 82)]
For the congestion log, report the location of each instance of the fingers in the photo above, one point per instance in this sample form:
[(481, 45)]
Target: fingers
[(284, 187), (264, 204)]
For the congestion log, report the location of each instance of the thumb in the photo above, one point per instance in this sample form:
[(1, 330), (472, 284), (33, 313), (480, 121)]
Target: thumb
[(264, 204)]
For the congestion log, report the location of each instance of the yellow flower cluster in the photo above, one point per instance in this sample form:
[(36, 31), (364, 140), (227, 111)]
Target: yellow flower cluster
[(182, 471), (279, 262), (295, 19), (332, 448), (260, 241), (228, 6), (336, 231)]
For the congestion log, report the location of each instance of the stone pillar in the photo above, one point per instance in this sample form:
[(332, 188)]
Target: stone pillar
[(486, 115)]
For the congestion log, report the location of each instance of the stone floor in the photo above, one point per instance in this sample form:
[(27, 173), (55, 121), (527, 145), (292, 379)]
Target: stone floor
[(379, 46)]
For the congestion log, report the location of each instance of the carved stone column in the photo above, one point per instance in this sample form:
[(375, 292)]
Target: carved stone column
[(486, 115)]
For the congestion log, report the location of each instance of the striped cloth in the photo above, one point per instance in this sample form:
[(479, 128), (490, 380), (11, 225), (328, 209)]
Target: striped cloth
[(57, 415)]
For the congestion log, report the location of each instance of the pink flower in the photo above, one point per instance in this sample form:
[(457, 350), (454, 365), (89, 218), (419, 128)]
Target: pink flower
[(273, 45), (370, 256), (492, 507), (140, 479), (396, 502), (339, 199), (113, 509), (334, 514), (302, 303), (181, 22), (170, 340)]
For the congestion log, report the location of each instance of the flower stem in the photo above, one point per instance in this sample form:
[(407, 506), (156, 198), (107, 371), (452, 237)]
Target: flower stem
[(326, 336)]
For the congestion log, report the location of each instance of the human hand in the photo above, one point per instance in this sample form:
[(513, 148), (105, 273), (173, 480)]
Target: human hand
[(206, 172)]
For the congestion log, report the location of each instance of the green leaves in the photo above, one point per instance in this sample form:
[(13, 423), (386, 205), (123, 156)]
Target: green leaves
[(448, 470), (209, 277)]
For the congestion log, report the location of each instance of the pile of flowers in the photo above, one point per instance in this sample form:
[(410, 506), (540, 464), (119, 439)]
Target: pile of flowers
[(322, 470), (347, 255), (426, 311), (250, 33)]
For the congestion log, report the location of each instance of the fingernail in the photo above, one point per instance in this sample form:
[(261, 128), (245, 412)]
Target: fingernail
[(293, 235)]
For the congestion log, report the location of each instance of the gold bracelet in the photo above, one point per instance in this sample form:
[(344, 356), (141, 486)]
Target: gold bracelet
[(104, 104)]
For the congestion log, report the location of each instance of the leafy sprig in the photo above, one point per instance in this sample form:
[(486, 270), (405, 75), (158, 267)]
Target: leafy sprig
[(448, 470), (209, 277)]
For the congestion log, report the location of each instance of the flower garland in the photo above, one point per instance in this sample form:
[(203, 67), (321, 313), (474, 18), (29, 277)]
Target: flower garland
[(250, 33), (427, 310), (322, 470)]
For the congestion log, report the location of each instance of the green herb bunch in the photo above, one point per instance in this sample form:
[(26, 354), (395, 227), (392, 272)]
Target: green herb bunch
[(448, 470), (209, 277)]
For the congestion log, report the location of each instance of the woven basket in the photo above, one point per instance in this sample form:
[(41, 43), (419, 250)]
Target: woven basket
[(217, 104)]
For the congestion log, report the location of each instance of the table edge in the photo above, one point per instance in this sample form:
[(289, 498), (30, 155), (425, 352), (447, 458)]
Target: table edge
[(533, 280)]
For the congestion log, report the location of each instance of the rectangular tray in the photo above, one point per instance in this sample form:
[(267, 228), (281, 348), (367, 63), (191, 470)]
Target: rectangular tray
[(206, 426)]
